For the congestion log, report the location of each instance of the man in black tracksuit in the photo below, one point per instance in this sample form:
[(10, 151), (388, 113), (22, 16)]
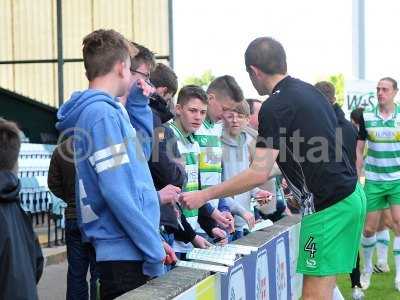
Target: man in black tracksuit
[(21, 259)]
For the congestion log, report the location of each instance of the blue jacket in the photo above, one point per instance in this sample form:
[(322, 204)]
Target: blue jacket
[(141, 117), (117, 203)]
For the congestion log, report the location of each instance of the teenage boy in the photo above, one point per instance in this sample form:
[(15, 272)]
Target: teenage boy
[(224, 94), (191, 111), (118, 206), (236, 158)]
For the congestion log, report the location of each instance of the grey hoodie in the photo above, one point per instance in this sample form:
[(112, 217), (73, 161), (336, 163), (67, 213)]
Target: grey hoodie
[(269, 185), (235, 159)]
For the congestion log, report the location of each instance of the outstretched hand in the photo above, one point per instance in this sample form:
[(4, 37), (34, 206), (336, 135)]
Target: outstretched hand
[(192, 200)]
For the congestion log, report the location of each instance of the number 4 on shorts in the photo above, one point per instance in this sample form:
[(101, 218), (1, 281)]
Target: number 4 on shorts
[(311, 247)]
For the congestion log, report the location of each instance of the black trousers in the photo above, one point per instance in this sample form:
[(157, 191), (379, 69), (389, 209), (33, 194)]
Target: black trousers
[(119, 277)]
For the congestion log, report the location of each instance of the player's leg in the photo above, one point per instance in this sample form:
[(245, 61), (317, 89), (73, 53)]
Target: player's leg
[(394, 200), (329, 241), (376, 202), (382, 242)]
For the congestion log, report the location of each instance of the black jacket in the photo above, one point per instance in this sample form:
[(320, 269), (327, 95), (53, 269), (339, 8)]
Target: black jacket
[(165, 170), (61, 177), (161, 112), (21, 259)]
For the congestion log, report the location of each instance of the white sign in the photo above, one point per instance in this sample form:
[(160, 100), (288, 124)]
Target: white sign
[(296, 279), (281, 275), (237, 287), (262, 283), (359, 93)]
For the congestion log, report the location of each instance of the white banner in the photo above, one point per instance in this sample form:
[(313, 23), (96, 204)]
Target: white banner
[(359, 93)]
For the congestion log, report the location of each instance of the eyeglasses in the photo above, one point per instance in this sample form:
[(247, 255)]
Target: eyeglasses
[(146, 76)]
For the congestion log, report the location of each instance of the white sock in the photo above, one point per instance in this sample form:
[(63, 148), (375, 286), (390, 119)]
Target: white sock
[(337, 295), (382, 246), (368, 245), (396, 253)]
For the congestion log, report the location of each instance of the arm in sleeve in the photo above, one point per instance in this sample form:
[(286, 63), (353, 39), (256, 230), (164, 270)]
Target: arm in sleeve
[(362, 133), (141, 118), (205, 221), (39, 260), (223, 205), (235, 207), (124, 198), (254, 192), (207, 210), (55, 175), (188, 234), (164, 169)]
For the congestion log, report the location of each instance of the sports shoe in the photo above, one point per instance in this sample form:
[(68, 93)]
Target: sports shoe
[(381, 268), (365, 280), (397, 285), (357, 294)]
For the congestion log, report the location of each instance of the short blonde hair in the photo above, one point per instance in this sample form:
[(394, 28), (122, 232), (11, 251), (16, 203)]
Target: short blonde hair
[(242, 108)]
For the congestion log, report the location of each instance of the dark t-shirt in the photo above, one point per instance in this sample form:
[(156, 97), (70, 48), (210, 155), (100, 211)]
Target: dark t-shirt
[(349, 135), (298, 121), (362, 133)]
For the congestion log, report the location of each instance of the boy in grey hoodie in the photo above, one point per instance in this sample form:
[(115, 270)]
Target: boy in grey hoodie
[(236, 158)]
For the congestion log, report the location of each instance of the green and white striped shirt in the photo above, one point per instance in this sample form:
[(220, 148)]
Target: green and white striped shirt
[(383, 135), (209, 138), (190, 151)]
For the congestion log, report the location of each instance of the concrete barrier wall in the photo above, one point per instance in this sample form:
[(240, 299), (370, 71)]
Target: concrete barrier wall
[(268, 273)]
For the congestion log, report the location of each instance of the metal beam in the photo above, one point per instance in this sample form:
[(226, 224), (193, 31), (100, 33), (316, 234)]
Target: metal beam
[(171, 32), (359, 39), (48, 61), (60, 58)]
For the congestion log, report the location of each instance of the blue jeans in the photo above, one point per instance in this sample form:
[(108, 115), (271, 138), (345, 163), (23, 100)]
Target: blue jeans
[(80, 257)]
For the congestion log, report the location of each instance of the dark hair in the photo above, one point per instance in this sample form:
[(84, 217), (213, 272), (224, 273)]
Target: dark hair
[(144, 56), (102, 49), (393, 81), (251, 104), (327, 89), (189, 92), (164, 76), (226, 86), (356, 115), (266, 54), (10, 144)]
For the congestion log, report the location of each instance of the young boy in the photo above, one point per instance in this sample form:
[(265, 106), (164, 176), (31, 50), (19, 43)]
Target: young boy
[(118, 206), (21, 259), (236, 158), (223, 94), (191, 111)]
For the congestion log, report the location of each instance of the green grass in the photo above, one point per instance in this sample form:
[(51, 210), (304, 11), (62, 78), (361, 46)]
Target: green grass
[(382, 285)]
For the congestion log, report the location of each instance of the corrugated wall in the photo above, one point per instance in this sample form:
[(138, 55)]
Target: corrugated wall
[(28, 30)]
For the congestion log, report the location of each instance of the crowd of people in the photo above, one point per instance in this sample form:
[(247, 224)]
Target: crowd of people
[(147, 179)]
